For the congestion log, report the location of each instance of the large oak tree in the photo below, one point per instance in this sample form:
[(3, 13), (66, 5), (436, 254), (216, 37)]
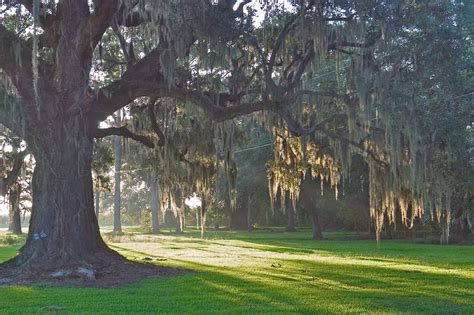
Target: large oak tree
[(213, 56)]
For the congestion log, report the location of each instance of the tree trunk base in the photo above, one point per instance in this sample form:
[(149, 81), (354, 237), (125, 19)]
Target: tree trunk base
[(104, 269)]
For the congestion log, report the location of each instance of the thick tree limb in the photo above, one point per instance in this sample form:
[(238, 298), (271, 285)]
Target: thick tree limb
[(218, 113), (124, 132), (141, 79), (122, 93)]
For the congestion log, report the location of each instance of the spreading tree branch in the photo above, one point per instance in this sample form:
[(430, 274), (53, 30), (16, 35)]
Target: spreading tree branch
[(218, 113), (124, 132), (141, 79)]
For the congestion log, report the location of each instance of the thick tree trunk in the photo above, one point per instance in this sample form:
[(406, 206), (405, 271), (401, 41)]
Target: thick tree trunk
[(155, 224), (63, 226), (316, 226), (14, 225), (117, 181), (97, 204)]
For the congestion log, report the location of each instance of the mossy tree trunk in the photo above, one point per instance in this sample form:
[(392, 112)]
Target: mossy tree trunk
[(56, 112), (63, 226)]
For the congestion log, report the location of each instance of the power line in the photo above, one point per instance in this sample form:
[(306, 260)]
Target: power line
[(253, 148), (238, 151), (459, 96)]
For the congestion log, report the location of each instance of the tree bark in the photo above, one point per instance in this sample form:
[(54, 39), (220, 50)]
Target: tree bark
[(117, 180), (63, 227), (57, 126), (155, 224), (14, 215)]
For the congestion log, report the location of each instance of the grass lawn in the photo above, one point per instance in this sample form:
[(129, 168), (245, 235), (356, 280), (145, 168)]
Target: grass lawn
[(239, 272)]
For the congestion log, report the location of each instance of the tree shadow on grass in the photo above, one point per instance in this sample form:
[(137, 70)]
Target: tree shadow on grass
[(294, 285)]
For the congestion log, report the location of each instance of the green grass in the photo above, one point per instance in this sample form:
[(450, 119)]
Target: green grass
[(272, 272)]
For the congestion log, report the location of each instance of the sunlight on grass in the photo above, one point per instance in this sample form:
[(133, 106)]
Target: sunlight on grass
[(272, 272), (238, 253)]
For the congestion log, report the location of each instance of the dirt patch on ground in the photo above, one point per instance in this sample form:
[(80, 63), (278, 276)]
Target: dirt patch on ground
[(107, 276)]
